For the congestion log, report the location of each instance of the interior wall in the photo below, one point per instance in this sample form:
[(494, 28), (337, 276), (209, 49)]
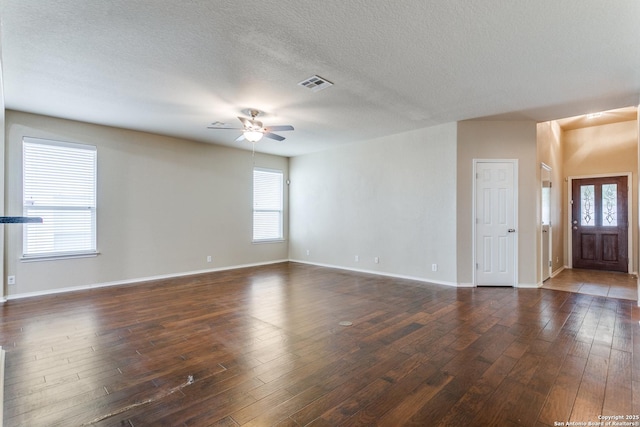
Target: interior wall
[(605, 149), (550, 153), (3, 288), (164, 205), (392, 198), (479, 139)]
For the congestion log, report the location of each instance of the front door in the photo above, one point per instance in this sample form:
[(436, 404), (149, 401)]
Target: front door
[(495, 224), (599, 223)]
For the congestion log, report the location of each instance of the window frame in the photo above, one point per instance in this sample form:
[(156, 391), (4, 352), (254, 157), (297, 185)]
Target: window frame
[(91, 235), (280, 209)]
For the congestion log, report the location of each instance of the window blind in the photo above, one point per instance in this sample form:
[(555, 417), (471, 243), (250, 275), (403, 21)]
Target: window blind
[(267, 204), (59, 185)]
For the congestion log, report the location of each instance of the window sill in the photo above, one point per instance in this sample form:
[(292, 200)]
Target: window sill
[(257, 242), (35, 258)]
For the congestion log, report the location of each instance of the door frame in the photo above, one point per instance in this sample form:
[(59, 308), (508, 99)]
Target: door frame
[(630, 201), (545, 175), (514, 164)]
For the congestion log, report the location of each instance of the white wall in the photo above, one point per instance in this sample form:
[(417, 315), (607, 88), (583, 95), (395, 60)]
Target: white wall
[(478, 139), (164, 204), (549, 137), (3, 289), (392, 197)]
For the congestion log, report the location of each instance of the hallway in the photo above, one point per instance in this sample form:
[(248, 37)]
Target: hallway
[(591, 282)]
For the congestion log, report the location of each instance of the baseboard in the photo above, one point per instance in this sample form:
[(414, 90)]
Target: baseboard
[(528, 285), (380, 273), (466, 285), (558, 271), (235, 267), (137, 280)]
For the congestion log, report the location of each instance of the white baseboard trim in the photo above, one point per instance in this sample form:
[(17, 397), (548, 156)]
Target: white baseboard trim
[(466, 285), (528, 285), (380, 273), (235, 267), (137, 280), (558, 271)]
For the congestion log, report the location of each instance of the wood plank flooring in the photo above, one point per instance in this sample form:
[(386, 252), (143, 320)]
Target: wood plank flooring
[(263, 347)]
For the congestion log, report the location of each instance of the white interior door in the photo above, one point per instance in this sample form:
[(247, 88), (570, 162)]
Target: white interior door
[(495, 243)]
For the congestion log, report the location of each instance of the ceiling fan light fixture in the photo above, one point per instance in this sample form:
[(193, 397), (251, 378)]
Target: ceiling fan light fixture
[(253, 130), (253, 135)]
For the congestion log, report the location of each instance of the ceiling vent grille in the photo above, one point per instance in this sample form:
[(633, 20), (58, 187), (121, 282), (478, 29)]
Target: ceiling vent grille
[(315, 83)]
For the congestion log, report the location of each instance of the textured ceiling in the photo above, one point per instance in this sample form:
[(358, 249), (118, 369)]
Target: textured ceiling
[(174, 67)]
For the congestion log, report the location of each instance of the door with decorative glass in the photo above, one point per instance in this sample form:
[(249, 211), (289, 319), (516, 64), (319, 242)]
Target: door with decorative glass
[(599, 223)]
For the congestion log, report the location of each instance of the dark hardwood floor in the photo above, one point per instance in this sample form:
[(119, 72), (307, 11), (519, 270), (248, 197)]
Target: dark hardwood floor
[(263, 346)]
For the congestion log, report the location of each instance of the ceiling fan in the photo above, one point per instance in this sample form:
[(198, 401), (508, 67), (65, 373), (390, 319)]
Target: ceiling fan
[(252, 129)]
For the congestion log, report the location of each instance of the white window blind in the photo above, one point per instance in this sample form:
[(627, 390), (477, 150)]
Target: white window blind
[(267, 204), (59, 185)]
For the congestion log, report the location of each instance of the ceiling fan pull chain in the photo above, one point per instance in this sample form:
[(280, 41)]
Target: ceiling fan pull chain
[(253, 153)]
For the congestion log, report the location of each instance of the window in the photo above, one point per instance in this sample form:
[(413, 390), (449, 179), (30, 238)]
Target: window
[(587, 215), (59, 185), (610, 205), (267, 205)]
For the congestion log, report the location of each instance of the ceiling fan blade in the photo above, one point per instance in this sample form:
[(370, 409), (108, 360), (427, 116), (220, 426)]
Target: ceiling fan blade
[(278, 128), (240, 138), (223, 127), (273, 136)]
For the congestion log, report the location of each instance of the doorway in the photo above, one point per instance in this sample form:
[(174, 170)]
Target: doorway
[(495, 237), (599, 223)]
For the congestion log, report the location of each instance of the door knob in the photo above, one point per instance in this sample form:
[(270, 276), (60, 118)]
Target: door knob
[(575, 221), (575, 228), (511, 230)]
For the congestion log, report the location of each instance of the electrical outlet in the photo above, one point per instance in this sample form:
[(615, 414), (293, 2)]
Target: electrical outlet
[(11, 280), (376, 260), (357, 258), (434, 267), (209, 258), (308, 251)]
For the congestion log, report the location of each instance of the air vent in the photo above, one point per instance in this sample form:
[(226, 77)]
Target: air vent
[(316, 83)]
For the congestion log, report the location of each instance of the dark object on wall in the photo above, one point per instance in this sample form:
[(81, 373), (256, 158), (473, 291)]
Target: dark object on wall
[(19, 219)]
